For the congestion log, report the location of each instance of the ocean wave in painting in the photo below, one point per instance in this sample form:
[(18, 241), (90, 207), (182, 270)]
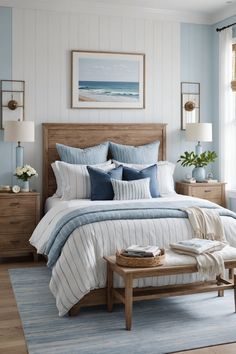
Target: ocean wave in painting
[(108, 91)]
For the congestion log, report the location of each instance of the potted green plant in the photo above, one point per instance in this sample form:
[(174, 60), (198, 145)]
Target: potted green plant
[(199, 162)]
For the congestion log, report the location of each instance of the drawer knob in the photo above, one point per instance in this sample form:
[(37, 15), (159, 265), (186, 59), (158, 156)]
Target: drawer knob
[(207, 190), (14, 204), (14, 242), (14, 222)]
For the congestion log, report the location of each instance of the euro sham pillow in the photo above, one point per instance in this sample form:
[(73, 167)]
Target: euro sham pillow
[(131, 174), (75, 181), (165, 175), (144, 154), (56, 172), (130, 190), (165, 178), (89, 156), (100, 181)]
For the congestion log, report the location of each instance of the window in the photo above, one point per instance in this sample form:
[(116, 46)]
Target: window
[(233, 82)]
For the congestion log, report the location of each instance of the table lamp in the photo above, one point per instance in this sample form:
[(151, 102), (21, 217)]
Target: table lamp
[(199, 132), (19, 131)]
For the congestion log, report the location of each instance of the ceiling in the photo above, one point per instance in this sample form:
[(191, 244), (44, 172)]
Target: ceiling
[(204, 6), (212, 11), (195, 11)]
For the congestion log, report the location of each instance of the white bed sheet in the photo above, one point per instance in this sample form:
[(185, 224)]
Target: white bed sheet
[(54, 201), (81, 268), (51, 202)]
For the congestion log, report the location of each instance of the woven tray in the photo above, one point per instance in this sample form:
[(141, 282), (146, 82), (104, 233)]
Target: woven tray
[(135, 262)]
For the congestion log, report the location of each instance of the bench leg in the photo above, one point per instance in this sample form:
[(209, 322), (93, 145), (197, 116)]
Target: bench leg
[(109, 288), (36, 257), (231, 273), (128, 301), (218, 280)]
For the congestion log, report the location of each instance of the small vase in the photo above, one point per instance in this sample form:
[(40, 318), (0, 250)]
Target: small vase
[(25, 186), (199, 174)]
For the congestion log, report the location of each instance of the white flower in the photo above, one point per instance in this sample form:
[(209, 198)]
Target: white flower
[(25, 171), (32, 170)]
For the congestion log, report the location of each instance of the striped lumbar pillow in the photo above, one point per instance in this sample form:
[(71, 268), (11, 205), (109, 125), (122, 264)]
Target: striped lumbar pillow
[(127, 190)]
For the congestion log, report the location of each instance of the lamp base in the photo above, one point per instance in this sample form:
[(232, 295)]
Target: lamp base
[(198, 149), (19, 156)]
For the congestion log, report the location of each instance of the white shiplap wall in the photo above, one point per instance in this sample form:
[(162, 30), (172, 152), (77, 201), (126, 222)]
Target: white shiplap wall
[(42, 41)]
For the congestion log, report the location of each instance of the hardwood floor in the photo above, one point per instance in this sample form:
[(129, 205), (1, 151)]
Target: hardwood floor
[(12, 339), (11, 333)]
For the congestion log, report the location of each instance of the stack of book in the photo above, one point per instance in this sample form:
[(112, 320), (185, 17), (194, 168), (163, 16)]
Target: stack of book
[(197, 246), (141, 251)]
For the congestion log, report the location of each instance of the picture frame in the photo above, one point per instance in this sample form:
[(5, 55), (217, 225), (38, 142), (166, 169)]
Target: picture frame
[(190, 103), (107, 80)]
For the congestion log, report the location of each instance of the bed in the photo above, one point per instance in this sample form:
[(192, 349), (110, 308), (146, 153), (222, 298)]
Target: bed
[(79, 271)]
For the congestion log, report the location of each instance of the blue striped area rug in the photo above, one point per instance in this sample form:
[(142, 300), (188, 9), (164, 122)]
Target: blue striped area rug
[(163, 326)]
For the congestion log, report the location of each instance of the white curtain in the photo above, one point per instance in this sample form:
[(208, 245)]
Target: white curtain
[(227, 126)]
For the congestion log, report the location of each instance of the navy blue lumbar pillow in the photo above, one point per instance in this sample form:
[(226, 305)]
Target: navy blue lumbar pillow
[(101, 187), (130, 174)]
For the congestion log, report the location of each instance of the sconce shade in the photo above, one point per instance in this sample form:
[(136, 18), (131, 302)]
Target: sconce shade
[(199, 131), (22, 131)]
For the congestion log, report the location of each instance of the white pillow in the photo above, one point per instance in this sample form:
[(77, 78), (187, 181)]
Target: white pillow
[(56, 172), (165, 171), (127, 190), (73, 180)]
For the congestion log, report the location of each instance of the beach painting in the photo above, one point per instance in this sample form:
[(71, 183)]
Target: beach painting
[(107, 80)]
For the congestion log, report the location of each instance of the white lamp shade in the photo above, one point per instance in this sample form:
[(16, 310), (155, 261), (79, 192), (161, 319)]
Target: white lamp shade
[(22, 131), (199, 131)]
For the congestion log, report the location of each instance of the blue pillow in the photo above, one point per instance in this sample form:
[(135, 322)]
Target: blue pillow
[(130, 174), (145, 154), (101, 187), (89, 156)]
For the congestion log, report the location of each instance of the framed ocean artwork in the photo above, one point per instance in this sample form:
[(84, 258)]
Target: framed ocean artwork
[(108, 80)]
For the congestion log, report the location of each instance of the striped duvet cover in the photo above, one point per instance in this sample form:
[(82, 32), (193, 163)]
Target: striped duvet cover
[(81, 268)]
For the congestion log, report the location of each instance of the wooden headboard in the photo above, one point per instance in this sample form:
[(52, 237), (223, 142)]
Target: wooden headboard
[(85, 135)]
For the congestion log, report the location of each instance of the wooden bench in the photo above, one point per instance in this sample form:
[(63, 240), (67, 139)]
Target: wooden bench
[(128, 294)]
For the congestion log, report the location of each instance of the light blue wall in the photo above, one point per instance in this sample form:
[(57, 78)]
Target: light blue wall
[(6, 149), (196, 63), (200, 62), (196, 66)]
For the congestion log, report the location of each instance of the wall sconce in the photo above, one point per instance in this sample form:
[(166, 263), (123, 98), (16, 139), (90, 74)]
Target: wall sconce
[(190, 103), (12, 101)]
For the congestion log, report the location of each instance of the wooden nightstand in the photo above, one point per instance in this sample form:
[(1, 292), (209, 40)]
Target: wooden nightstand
[(19, 215), (214, 192)]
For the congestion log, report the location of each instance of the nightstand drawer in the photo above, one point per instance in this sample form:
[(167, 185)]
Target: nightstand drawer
[(14, 242), (23, 224), (207, 192), (214, 192), (19, 215), (17, 206)]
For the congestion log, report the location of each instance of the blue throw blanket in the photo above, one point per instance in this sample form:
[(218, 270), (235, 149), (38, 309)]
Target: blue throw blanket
[(132, 210)]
